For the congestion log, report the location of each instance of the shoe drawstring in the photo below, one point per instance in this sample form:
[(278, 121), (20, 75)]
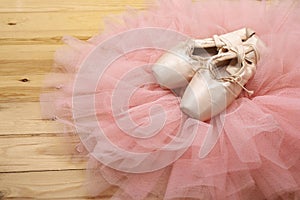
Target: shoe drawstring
[(240, 54), (236, 79)]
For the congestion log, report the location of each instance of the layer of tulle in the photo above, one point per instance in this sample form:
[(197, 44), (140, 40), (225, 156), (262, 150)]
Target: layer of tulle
[(250, 151)]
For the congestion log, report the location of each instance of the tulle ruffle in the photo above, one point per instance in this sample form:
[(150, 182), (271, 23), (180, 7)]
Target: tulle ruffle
[(250, 151)]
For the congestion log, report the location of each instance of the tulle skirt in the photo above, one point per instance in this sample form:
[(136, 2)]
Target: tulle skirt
[(133, 131)]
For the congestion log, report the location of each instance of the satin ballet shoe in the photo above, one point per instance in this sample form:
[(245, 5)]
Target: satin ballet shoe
[(212, 89), (176, 68)]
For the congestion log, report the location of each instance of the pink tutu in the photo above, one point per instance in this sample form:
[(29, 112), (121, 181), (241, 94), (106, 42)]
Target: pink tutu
[(136, 136)]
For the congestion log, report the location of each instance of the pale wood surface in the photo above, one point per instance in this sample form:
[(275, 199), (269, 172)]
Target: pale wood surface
[(36, 160)]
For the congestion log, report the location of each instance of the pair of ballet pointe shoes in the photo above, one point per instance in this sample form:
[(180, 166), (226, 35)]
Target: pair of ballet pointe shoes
[(213, 70)]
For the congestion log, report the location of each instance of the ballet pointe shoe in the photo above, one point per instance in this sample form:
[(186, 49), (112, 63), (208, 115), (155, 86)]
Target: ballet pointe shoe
[(212, 89), (175, 68)]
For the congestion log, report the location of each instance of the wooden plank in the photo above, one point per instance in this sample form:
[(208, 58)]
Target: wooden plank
[(29, 127), (74, 5), (68, 184), (27, 87), (21, 67), (32, 81), (45, 37), (20, 111), (25, 59), (19, 95), (10, 53), (48, 37), (34, 25), (52, 25), (20, 88), (37, 153), (29, 22), (44, 21), (24, 118)]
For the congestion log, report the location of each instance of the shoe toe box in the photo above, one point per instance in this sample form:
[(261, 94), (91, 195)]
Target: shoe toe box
[(168, 77)]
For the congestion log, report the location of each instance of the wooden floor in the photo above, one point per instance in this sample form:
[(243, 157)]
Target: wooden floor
[(36, 161)]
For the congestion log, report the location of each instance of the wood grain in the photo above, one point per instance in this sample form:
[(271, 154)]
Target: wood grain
[(68, 184), (63, 6), (19, 118), (27, 52), (36, 160), (31, 127), (39, 153), (20, 111), (21, 67), (26, 87), (32, 21)]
